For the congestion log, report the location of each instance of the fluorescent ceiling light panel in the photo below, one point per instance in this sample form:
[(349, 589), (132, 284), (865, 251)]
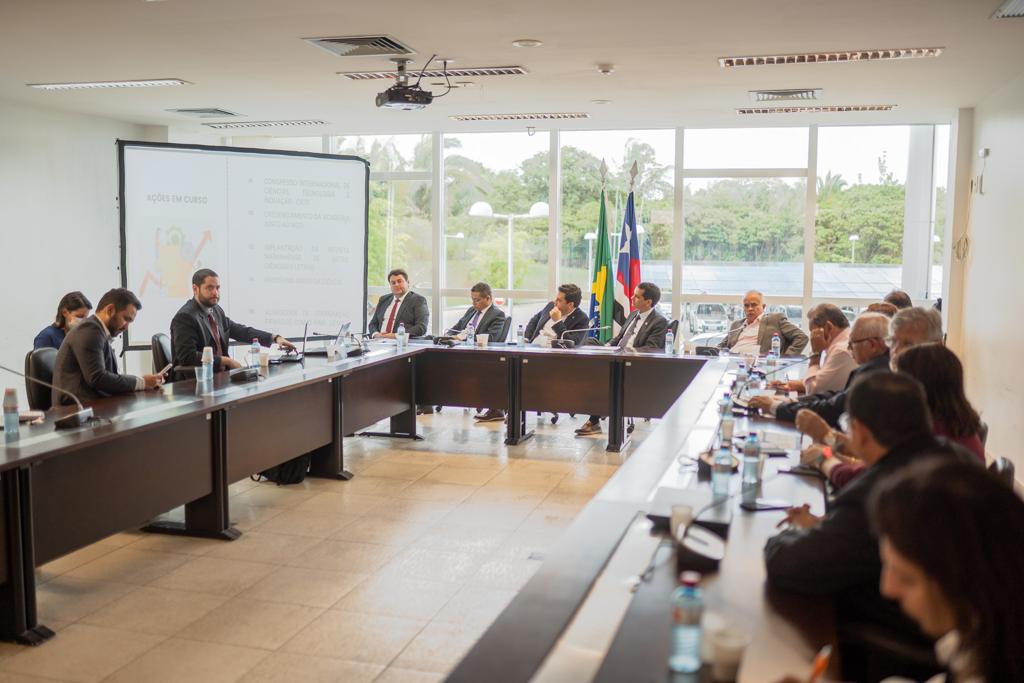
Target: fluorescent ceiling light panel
[(264, 124), (816, 110), (1011, 9), (831, 57), (548, 116), (99, 85), (470, 72)]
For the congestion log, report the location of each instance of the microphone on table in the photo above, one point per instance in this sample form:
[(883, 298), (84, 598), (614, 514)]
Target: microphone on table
[(560, 343), (76, 419), (738, 395)]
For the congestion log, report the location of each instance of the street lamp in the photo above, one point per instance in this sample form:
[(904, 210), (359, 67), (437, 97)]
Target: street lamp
[(484, 210), (590, 237), (853, 248)]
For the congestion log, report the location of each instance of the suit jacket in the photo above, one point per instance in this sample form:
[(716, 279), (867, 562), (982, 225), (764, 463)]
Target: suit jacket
[(651, 334), (87, 366), (839, 556), (414, 312), (577, 320), (50, 337), (491, 323), (793, 338), (831, 404), (190, 332)]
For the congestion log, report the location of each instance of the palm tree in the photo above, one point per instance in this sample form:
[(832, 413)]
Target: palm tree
[(829, 186)]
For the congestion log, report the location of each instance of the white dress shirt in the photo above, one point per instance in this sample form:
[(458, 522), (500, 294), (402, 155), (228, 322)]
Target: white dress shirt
[(947, 652), (832, 373), (747, 342), (547, 334)]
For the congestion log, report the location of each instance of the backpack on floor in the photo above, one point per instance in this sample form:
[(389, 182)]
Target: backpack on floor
[(291, 472)]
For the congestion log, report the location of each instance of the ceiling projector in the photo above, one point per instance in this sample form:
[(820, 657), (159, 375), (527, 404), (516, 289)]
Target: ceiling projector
[(402, 95)]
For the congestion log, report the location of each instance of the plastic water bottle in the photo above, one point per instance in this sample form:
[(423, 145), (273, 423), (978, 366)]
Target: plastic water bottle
[(725, 405), (401, 337), (776, 344), (721, 472), (751, 467), (771, 361), (726, 427), (520, 336), (254, 353), (741, 373), (470, 334), (670, 343), (207, 363), (10, 415), (687, 610)]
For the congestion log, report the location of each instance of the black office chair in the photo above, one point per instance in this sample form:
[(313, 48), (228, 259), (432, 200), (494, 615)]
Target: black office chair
[(505, 328), (673, 327), (161, 347), (1004, 469), (39, 365)]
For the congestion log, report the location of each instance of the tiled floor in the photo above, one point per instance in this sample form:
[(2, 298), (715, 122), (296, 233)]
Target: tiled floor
[(391, 576)]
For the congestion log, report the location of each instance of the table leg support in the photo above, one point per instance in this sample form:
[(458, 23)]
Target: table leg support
[(515, 430), (617, 436), (18, 617), (329, 462)]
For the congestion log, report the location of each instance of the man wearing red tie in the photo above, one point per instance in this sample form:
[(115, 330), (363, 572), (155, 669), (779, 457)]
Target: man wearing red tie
[(398, 307), (202, 322)]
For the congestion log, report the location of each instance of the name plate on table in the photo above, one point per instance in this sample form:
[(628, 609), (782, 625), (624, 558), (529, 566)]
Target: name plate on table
[(715, 520)]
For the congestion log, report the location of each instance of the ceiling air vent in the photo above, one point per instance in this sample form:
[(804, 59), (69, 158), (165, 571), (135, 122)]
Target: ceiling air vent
[(791, 95), (361, 46), (471, 72), (1011, 9), (205, 113), (816, 110), (550, 116), (264, 124), (831, 57)]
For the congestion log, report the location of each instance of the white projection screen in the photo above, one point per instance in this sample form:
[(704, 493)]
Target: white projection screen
[(285, 231)]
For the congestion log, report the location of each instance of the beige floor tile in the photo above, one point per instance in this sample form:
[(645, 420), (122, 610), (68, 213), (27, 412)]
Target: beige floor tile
[(263, 546), (489, 495), (503, 516), (527, 479), (563, 497), (285, 667), (74, 560), (398, 597), (177, 660), (529, 541), (22, 678), (155, 610), (384, 531), (81, 653), (366, 638), (182, 545), (467, 476), (546, 466), (68, 599), (246, 517), (408, 457), (307, 523), (124, 538), (344, 556), (251, 623), (412, 510), (241, 486), (505, 573), (342, 503), (272, 495), (398, 470), (460, 537), (438, 647), (477, 605), (310, 587), (372, 486), (215, 575), (436, 491), (127, 565), (430, 565), (489, 461), (393, 674)]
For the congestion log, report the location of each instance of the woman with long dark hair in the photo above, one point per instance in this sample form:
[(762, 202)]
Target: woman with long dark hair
[(950, 542), (942, 375), (72, 309)]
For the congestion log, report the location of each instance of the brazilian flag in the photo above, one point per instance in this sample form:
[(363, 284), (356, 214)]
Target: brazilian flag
[(602, 289)]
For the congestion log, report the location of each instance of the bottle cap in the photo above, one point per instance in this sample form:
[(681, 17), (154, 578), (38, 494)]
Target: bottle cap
[(689, 579)]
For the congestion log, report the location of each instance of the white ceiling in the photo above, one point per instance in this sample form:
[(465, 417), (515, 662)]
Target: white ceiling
[(247, 56)]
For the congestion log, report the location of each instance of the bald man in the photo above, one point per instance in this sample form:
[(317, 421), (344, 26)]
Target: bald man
[(753, 334)]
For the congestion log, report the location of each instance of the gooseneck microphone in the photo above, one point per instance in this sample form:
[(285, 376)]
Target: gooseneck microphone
[(76, 419), (560, 343)]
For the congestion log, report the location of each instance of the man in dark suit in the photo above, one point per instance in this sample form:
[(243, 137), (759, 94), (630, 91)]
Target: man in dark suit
[(398, 307), (560, 319), (201, 322), (86, 364), (644, 329), (753, 334), (485, 318)]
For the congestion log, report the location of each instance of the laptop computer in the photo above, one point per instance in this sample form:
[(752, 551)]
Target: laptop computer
[(342, 333), (294, 357)]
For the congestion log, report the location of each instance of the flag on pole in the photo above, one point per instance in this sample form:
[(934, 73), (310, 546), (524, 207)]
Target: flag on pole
[(602, 289), (627, 270)]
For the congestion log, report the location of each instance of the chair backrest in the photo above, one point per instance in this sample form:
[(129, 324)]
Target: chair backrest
[(706, 350), (161, 346), (39, 365), (1004, 469), (673, 327), (505, 327)]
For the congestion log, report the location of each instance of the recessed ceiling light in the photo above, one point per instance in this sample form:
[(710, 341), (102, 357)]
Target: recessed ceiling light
[(816, 110), (264, 124), (527, 42), (151, 83), (831, 57), (548, 116), (600, 101)]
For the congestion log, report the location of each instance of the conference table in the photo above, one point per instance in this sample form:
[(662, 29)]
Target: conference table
[(150, 452)]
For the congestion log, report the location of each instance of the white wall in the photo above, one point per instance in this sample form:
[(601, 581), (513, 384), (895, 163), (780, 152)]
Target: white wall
[(58, 218), (992, 335)]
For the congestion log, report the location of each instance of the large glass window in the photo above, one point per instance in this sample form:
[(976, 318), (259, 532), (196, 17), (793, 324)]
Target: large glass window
[(940, 176), (496, 210), (745, 148), (582, 153)]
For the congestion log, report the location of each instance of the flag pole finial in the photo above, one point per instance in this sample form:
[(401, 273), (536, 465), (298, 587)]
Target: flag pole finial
[(604, 173), (633, 172)]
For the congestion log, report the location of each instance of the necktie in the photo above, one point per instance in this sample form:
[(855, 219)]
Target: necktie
[(627, 332), (391, 318), (216, 334), (476, 319)]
